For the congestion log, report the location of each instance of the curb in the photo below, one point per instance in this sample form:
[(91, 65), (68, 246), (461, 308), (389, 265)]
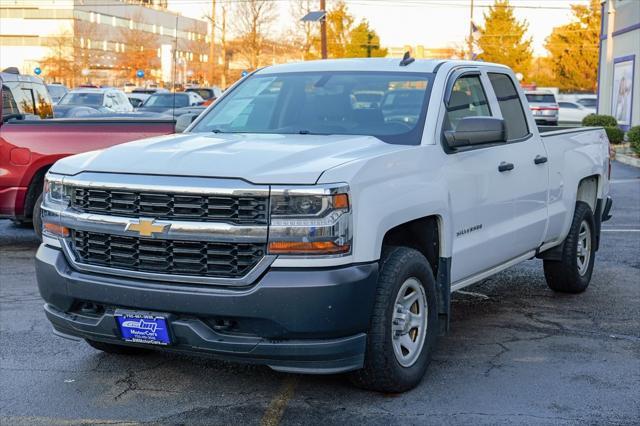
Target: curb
[(627, 159)]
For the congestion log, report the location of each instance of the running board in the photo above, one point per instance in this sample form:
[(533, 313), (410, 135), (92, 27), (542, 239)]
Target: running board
[(482, 275)]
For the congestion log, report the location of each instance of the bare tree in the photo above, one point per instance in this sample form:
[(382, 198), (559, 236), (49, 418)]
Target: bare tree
[(83, 50), (253, 20), (304, 34)]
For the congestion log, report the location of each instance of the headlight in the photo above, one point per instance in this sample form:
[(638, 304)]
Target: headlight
[(310, 221), (55, 199)]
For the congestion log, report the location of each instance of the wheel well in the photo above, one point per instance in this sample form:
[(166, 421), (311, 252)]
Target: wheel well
[(420, 234), (588, 191), (35, 189)]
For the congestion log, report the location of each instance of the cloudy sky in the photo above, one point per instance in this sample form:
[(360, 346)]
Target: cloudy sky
[(432, 23)]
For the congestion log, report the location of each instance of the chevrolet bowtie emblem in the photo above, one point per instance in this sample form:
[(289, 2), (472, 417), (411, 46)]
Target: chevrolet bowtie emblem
[(146, 227)]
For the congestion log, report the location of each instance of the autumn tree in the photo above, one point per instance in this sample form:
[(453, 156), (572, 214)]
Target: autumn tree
[(574, 50), (140, 51), (58, 64), (364, 42), (502, 39), (253, 19), (339, 26)]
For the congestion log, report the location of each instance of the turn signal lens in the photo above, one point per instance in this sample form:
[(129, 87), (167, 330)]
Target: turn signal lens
[(300, 247), (55, 229), (341, 201)]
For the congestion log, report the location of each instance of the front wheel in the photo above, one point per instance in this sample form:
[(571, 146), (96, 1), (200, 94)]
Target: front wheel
[(572, 273), (404, 324)]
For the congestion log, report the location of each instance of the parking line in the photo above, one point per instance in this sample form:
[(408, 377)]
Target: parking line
[(620, 230), (37, 420), (274, 413)]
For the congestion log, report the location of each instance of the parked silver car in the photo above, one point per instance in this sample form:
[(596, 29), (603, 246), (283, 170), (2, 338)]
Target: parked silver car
[(544, 107)]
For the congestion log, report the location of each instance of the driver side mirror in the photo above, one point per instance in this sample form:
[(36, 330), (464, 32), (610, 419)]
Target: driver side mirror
[(476, 131), (185, 121)]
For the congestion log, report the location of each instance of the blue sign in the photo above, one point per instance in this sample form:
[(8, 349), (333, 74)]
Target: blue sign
[(143, 328), (37, 70), (245, 73), (140, 73)]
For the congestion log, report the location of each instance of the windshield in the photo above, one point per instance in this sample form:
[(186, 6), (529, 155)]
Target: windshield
[(56, 91), (587, 102), (388, 105), (547, 99), (204, 93), (167, 100), (80, 98)]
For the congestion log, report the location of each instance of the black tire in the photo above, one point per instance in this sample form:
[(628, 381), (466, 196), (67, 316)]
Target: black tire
[(37, 218), (117, 349), (382, 371), (565, 275), (21, 223)]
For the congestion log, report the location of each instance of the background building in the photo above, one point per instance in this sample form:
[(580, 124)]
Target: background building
[(81, 41), (619, 70), (421, 52)]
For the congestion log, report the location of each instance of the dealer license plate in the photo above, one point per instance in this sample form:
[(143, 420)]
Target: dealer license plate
[(142, 327)]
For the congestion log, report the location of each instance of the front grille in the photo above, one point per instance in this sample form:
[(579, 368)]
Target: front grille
[(208, 208), (224, 260)]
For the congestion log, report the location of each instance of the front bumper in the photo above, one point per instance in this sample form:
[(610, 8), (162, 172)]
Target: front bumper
[(296, 320)]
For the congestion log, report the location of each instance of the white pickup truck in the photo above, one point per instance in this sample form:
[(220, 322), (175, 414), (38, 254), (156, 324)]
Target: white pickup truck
[(317, 217)]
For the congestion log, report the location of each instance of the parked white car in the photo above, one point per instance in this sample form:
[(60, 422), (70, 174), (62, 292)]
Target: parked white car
[(293, 227), (102, 100), (572, 112)]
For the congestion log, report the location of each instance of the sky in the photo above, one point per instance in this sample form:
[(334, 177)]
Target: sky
[(431, 23)]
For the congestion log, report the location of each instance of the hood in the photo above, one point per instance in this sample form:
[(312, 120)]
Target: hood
[(257, 158)]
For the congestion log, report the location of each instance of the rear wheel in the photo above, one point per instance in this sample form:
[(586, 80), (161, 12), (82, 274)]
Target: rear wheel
[(572, 273), (404, 324), (117, 349)]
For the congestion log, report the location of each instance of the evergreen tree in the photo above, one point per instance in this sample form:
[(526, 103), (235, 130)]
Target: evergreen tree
[(502, 39), (364, 42)]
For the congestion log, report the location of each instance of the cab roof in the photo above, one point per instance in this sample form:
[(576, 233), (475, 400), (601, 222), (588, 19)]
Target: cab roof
[(367, 64)]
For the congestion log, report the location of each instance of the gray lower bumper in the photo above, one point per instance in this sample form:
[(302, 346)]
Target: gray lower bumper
[(310, 321)]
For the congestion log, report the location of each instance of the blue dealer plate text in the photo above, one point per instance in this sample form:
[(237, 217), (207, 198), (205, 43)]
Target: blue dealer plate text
[(144, 328)]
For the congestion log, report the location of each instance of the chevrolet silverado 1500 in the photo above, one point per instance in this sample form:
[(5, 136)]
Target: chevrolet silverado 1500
[(303, 225)]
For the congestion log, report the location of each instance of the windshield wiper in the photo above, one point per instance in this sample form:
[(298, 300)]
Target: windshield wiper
[(217, 131)]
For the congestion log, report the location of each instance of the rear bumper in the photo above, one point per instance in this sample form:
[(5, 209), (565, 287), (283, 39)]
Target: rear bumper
[(311, 321)]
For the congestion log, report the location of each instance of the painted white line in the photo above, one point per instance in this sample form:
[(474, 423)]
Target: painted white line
[(620, 230), (625, 181), (474, 294)]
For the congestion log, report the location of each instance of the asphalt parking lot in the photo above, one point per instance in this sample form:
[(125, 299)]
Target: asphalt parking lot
[(517, 353)]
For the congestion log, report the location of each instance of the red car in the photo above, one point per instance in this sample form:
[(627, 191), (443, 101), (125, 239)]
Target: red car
[(29, 145)]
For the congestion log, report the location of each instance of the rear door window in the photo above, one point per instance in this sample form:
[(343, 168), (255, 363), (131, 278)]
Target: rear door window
[(515, 120), (42, 100)]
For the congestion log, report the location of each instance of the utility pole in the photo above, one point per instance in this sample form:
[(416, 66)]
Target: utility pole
[(323, 29), (471, 33), (223, 45), (369, 46), (212, 60)]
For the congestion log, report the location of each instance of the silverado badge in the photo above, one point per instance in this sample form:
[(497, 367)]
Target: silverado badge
[(146, 227)]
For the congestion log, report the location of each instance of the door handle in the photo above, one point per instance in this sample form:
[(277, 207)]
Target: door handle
[(504, 166), (540, 159)]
